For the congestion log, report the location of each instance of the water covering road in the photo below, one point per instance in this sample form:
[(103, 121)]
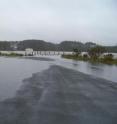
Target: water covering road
[(61, 96), (14, 70)]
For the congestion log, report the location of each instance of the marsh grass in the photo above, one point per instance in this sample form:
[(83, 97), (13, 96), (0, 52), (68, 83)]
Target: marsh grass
[(104, 60), (11, 54)]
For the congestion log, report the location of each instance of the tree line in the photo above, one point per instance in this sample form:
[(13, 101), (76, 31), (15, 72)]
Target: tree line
[(40, 45), (94, 54)]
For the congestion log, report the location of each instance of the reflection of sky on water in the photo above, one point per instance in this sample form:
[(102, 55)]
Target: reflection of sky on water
[(108, 72), (13, 71)]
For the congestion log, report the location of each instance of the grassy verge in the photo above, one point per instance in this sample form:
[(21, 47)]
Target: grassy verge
[(94, 60), (11, 54)]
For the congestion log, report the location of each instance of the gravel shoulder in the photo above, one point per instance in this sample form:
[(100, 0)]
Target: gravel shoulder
[(62, 96)]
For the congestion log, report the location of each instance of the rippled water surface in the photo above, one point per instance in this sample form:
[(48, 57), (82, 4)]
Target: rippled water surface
[(14, 70), (108, 72)]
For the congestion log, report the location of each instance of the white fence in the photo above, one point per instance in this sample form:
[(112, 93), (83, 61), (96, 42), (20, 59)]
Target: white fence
[(38, 52), (48, 53)]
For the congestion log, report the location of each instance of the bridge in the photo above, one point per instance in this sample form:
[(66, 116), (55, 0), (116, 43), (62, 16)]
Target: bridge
[(46, 53), (49, 52)]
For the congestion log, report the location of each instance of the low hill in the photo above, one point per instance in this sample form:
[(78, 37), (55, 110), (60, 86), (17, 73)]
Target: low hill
[(41, 45)]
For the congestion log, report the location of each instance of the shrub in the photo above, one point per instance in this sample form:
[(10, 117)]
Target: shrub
[(96, 52), (108, 57), (76, 52), (85, 56)]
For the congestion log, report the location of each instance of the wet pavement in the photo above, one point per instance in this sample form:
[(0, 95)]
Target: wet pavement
[(61, 96)]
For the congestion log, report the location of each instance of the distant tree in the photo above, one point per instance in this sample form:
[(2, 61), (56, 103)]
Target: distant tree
[(96, 52), (76, 51), (108, 57), (85, 56), (4, 45)]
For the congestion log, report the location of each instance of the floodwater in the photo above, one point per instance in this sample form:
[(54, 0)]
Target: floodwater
[(52, 90), (14, 70), (108, 72)]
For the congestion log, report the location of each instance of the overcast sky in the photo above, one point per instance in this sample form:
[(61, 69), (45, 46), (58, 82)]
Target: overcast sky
[(58, 20)]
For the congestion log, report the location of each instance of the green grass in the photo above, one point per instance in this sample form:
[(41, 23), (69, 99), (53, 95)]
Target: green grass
[(11, 54), (94, 60)]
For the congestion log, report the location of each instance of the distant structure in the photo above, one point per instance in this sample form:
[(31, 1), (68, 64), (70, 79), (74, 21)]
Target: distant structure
[(14, 45), (29, 52), (90, 45)]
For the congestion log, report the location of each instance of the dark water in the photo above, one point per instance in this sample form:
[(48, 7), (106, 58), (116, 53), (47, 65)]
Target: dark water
[(14, 70), (108, 72), (61, 96)]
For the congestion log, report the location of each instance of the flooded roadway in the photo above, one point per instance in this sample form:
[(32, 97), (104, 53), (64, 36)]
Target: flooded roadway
[(58, 95)]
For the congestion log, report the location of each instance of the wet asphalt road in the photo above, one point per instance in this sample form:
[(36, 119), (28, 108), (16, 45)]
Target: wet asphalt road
[(62, 96)]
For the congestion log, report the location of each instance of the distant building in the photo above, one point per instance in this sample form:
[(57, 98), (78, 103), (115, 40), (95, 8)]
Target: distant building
[(29, 52), (90, 45), (14, 45)]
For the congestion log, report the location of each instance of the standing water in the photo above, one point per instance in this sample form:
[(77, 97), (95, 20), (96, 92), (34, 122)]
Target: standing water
[(14, 70)]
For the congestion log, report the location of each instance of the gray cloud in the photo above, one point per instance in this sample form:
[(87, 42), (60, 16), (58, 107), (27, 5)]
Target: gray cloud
[(85, 20)]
